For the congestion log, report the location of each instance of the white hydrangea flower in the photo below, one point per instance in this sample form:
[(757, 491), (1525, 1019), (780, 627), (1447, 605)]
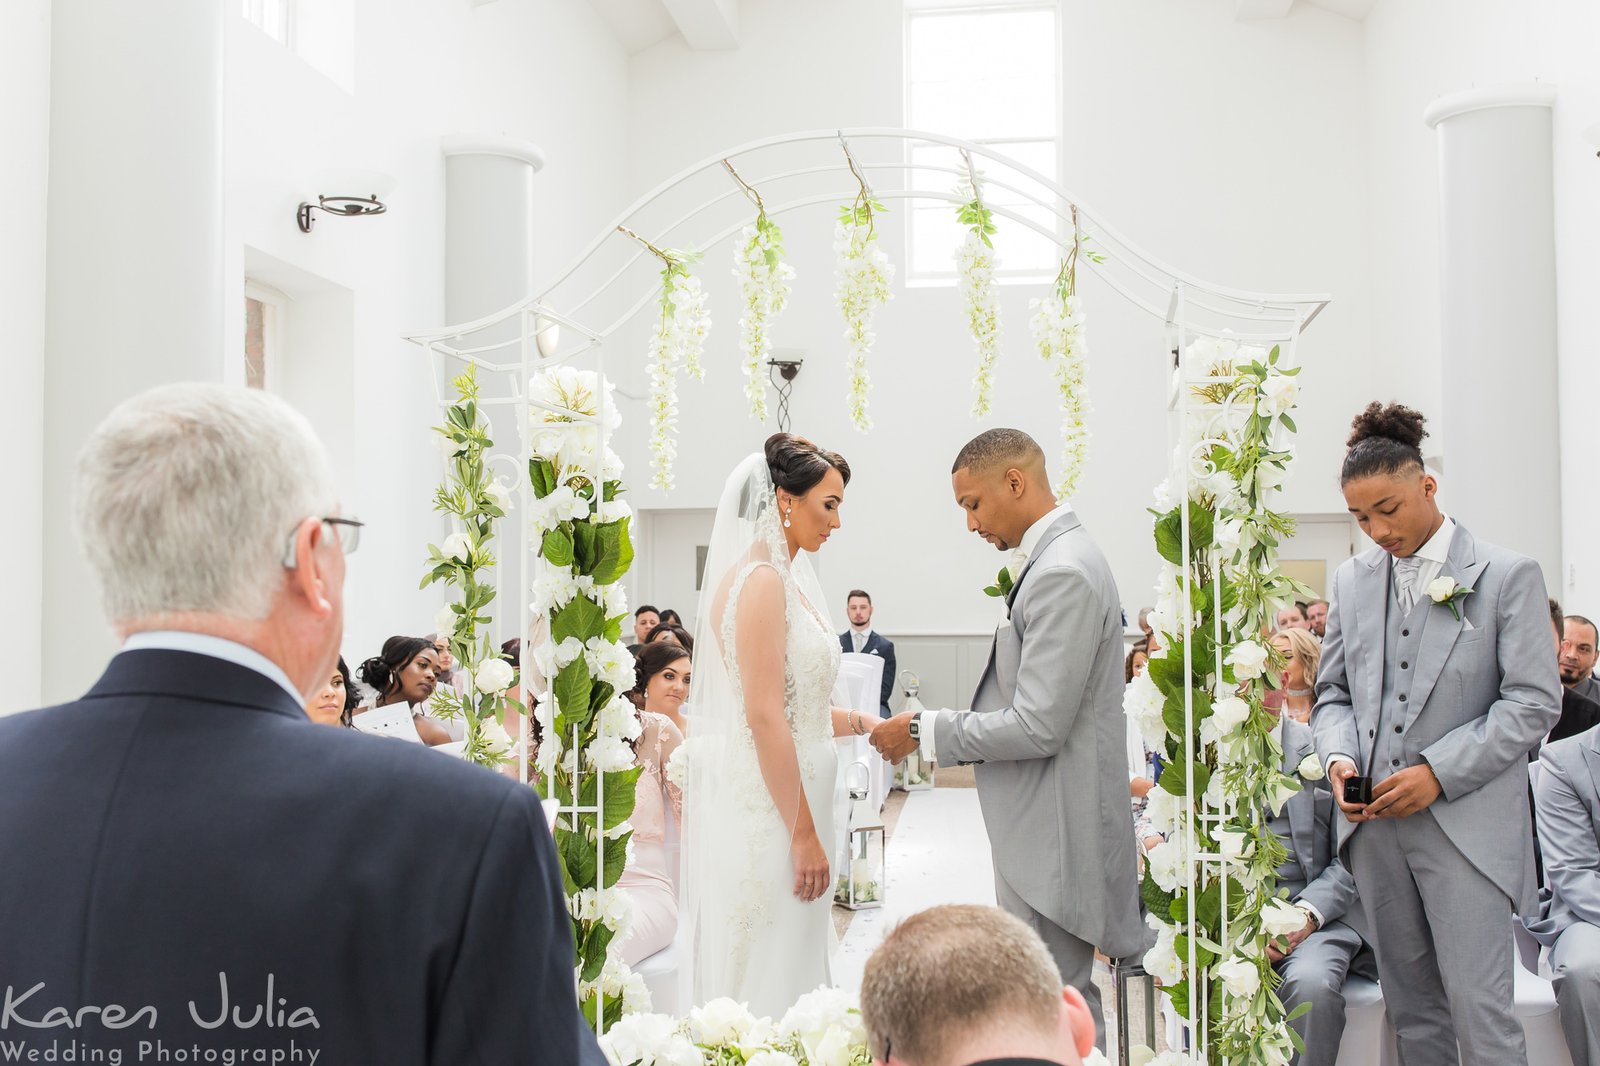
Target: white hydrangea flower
[(616, 596), (677, 769), (616, 911), (609, 754), (1163, 496), (1142, 702), (585, 906), (639, 1037), (1161, 961), (567, 652), (619, 719), (1162, 808), (1168, 866), (611, 663)]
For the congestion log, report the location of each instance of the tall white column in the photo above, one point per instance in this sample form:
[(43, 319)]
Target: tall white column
[(488, 224), (1500, 422), (135, 279), (24, 185)]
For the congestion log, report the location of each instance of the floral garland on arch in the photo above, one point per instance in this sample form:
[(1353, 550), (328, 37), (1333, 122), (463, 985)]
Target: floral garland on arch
[(679, 334), (1234, 464), (764, 287), (587, 727), (1058, 334), (862, 273), (975, 267), (475, 502)]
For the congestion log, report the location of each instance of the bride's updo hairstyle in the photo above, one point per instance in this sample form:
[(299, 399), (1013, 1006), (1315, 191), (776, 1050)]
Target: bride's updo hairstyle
[(797, 465), (1384, 440)]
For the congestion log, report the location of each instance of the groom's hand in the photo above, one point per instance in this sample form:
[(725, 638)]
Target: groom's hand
[(893, 738)]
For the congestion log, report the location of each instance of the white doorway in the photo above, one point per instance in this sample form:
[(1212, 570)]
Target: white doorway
[(671, 546)]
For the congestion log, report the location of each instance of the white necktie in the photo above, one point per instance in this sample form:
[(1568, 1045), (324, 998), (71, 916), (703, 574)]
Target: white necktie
[(1406, 572), (1019, 559), (859, 638)]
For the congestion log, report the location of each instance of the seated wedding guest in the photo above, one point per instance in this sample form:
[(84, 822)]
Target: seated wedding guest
[(1317, 615), (672, 634), (334, 701), (860, 638), (965, 985), (1314, 961), (255, 853), (405, 672), (645, 618), (1293, 617), (1302, 655), (1567, 812), (1580, 647), (671, 618), (447, 676), (1579, 713), (1133, 666), (661, 684), (1141, 778)]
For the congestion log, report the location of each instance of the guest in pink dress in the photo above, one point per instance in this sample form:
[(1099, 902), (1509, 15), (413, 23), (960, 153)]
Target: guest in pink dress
[(661, 686)]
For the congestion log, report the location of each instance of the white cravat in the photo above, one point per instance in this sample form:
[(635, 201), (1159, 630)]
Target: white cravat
[(1406, 575), (1424, 565)]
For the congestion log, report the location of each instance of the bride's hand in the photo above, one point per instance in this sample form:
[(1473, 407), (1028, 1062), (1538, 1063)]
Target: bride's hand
[(810, 868)]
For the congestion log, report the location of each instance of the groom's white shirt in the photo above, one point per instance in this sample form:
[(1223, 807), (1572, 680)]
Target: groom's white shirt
[(1024, 552)]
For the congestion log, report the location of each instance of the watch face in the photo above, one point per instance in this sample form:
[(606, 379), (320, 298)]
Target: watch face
[(916, 729)]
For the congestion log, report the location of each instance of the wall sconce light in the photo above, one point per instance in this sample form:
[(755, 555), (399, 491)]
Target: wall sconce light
[(547, 335), (346, 206)]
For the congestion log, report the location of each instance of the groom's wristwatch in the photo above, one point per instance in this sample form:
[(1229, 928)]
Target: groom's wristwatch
[(915, 728)]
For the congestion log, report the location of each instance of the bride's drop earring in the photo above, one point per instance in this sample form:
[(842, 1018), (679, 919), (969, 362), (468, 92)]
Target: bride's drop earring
[(786, 515)]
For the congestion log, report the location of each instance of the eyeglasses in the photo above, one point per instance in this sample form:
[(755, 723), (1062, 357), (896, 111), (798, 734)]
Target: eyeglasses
[(348, 530)]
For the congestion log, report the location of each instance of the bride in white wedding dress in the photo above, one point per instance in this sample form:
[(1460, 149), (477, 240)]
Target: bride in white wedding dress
[(761, 779)]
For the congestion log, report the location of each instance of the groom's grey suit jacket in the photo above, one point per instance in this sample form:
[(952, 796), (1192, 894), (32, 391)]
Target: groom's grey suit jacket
[(1482, 693), (1048, 732)]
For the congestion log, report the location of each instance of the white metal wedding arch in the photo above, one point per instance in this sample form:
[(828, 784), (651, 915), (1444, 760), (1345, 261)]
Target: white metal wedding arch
[(589, 305)]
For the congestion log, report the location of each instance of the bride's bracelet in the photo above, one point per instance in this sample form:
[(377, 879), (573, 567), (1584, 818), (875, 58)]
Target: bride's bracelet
[(855, 724)]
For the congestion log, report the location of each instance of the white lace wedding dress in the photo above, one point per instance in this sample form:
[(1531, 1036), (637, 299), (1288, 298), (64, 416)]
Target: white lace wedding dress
[(743, 933)]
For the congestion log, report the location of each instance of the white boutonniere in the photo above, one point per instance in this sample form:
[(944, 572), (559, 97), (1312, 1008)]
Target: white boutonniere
[(1445, 590), (1310, 768)]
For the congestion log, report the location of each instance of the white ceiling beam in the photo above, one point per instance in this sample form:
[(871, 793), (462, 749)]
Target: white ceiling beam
[(1260, 9), (706, 25)]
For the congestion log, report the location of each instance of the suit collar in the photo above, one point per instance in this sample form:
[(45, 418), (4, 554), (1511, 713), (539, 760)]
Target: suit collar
[(1443, 627), (192, 676), (1065, 522)]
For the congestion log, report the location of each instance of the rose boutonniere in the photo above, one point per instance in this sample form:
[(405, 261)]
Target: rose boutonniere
[(1310, 768), (1003, 583), (1445, 590)]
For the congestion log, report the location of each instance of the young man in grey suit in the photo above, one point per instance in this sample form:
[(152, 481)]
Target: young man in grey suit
[(1568, 803), (1046, 728), (1436, 681), (1331, 945)]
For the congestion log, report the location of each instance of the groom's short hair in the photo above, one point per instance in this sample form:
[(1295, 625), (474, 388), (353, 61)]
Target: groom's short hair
[(999, 448), (947, 971)]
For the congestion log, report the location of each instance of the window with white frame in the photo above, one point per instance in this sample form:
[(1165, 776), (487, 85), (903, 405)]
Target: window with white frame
[(271, 16), (265, 317), (987, 73)]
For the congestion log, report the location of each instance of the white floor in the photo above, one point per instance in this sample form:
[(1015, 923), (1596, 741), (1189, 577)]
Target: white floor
[(939, 853)]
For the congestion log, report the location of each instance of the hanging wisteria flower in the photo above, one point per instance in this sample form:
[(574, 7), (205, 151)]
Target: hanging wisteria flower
[(679, 334), (1058, 335), (764, 287), (862, 273), (975, 268)]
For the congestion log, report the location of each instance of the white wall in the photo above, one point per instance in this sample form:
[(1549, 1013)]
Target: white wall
[(1418, 50), (24, 184), (1233, 150)]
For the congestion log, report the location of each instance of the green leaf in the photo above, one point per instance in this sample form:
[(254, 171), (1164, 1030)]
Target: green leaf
[(1172, 779), (542, 475), (1167, 672), (1157, 899), (620, 792), (601, 694), (572, 687), (1288, 423), (594, 950), (614, 552), (583, 546), (1169, 537), (616, 858), (1208, 908), (557, 547), (577, 859), (580, 618)]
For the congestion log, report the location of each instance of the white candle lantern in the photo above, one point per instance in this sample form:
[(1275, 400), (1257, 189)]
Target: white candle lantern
[(860, 882), (913, 773)]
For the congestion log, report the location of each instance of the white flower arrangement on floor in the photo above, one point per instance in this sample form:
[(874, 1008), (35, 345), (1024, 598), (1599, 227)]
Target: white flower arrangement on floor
[(975, 267), (475, 502), (764, 288), (1058, 335), (823, 1028), (1232, 765), (585, 549), (862, 273)]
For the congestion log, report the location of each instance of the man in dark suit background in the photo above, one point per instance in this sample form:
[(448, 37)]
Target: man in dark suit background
[(190, 862), (861, 638)]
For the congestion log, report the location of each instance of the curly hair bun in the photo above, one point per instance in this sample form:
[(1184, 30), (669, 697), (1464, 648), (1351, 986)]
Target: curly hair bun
[(797, 465), (1394, 422)]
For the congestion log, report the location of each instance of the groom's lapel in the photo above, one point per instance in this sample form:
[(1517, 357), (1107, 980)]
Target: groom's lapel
[(1065, 524)]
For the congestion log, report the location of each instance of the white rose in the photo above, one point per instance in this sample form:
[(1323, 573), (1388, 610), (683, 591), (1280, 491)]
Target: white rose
[(1282, 918), (1229, 713), (494, 677), (722, 1021), (1270, 476), (834, 1049), (498, 495), (1310, 768), (1234, 844), (447, 445), (771, 1058), (1440, 589), (636, 1037), (1248, 659), (1240, 977), (1279, 393), (457, 546), (1168, 867), (495, 733), (444, 623), (1282, 789)]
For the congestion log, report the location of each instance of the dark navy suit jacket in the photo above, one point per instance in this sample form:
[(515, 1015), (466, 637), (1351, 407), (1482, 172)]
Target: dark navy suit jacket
[(877, 644), (185, 820)]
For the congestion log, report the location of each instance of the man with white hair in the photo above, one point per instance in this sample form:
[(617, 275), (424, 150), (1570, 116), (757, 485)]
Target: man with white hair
[(192, 867), (964, 985)]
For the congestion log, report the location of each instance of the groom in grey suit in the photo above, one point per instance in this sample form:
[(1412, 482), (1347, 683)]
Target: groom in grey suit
[(1567, 799), (1046, 729), (1436, 694)]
